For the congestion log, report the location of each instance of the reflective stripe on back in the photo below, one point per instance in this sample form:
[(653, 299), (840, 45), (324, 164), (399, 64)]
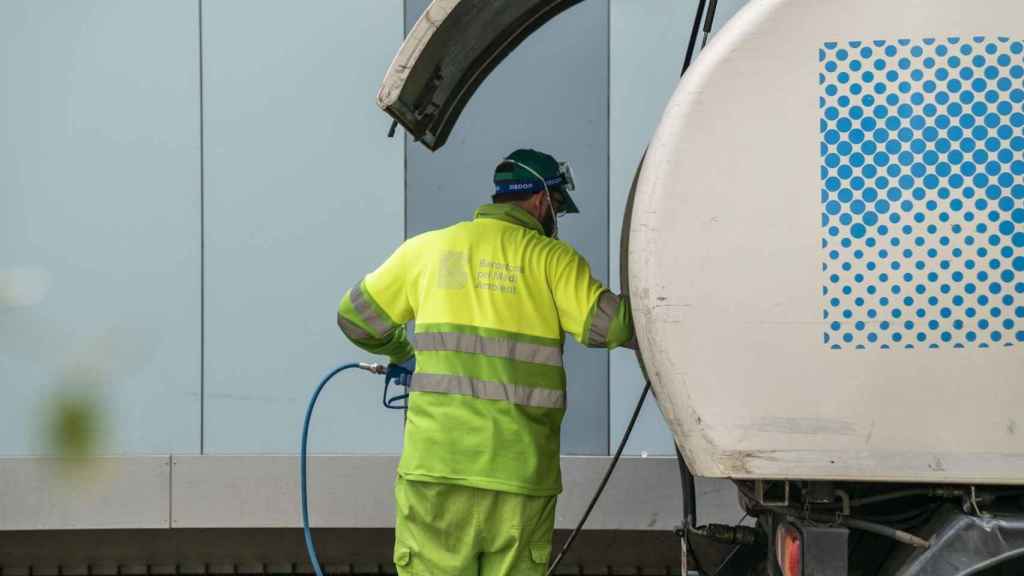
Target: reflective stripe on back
[(487, 346), (485, 390)]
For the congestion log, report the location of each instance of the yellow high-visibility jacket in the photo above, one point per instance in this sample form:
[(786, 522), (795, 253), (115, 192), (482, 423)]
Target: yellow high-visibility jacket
[(492, 298)]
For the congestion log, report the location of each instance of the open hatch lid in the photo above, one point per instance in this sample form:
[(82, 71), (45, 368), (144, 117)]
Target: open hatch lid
[(453, 47)]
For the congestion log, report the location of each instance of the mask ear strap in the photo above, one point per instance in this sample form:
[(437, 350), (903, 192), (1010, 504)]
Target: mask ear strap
[(554, 217), (547, 194)]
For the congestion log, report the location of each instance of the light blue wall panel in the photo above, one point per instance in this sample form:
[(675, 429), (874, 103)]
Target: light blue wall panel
[(549, 94), (99, 201), (648, 42), (303, 196)]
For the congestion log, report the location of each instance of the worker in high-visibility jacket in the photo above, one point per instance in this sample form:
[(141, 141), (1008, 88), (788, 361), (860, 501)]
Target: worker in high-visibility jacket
[(491, 299)]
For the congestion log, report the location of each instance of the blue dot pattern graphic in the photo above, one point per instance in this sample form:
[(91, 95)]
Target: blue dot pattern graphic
[(922, 193)]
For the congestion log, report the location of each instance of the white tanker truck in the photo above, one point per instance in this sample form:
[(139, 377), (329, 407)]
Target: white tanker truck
[(826, 266)]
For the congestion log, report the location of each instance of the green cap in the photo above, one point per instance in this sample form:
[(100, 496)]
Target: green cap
[(523, 170)]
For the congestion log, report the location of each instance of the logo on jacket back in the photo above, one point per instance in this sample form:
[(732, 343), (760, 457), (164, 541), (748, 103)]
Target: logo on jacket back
[(452, 270)]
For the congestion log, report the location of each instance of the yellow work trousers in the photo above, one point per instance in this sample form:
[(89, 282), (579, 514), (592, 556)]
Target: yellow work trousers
[(452, 530)]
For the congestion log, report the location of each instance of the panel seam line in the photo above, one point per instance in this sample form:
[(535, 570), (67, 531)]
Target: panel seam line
[(202, 245)]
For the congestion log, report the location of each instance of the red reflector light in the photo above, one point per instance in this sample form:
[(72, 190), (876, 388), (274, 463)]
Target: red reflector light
[(788, 550)]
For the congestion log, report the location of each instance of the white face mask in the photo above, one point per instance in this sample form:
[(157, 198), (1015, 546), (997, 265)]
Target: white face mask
[(547, 195)]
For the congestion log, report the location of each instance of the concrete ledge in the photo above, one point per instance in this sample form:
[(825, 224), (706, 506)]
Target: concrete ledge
[(357, 491), (346, 491), (263, 491), (105, 493)]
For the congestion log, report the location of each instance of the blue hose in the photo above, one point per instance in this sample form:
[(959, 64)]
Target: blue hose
[(302, 466)]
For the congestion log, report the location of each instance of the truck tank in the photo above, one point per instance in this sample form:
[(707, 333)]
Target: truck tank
[(826, 256), (826, 247)]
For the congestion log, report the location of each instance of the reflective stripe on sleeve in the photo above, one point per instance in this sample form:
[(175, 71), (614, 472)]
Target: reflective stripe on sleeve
[(365, 309), (487, 346), (485, 390), (352, 330), (606, 307)]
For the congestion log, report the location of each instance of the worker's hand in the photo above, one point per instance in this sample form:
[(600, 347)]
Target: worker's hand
[(401, 374)]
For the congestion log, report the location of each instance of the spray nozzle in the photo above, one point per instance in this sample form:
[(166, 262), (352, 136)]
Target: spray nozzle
[(373, 368)]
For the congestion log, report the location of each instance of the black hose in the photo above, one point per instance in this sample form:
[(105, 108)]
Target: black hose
[(693, 36), (689, 503), (868, 500), (708, 21), (604, 481), (689, 492), (890, 496), (884, 497)]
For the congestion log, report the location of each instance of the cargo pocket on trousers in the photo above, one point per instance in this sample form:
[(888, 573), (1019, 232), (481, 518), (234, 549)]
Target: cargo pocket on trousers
[(540, 552), (403, 555)]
